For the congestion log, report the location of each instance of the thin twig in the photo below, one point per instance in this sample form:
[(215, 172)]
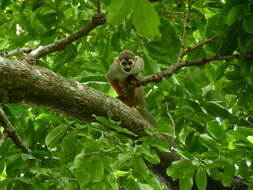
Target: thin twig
[(10, 132), (16, 51), (185, 29), (174, 68), (98, 6), (190, 49), (59, 45), (171, 118)]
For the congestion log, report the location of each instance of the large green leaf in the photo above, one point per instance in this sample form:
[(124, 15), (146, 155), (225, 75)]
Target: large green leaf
[(161, 145), (55, 135), (176, 169), (247, 24), (146, 19), (234, 14), (119, 10), (201, 179), (81, 165), (140, 167), (186, 183), (209, 142), (96, 170), (228, 174)]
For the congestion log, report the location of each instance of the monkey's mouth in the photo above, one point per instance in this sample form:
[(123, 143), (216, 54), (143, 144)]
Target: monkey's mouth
[(127, 69)]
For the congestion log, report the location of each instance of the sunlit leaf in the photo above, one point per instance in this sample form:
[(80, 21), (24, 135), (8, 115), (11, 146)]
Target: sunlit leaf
[(146, 19), (118, 10)]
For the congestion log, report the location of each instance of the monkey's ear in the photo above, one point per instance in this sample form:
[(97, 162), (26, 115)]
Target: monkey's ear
[(136, 58), (116, 60)]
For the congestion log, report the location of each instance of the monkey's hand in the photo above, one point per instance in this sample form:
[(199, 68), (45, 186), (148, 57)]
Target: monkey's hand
[(133, 81)]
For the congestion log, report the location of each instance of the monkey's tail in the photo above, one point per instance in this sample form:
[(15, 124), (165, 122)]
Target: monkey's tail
[(147, 116)]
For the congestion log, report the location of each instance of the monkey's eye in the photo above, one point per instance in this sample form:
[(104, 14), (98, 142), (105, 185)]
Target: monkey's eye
[(130, 62), (124, 63)]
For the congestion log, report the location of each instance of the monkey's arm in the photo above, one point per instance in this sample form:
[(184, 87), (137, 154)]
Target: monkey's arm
[(121, 91)]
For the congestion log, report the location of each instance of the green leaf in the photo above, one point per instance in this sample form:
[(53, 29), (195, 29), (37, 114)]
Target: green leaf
[(140, 167), (81, 165), (234, 75), (91, 146), (121, 160), (146, 19), (161, 145), (16, 110), (185, 131), (111, 179), (234, 14), (201, 179), (118, 10), (2, 165), (144, 186), (209, 142), (151, 65), (150, 155), (216, 110), (96, 170), (186, 183), (176, 168), (111, 124), (228, 174), (4, 4), (247, 24), (55, 135), (216, 130), (210, 73), (214, 173)]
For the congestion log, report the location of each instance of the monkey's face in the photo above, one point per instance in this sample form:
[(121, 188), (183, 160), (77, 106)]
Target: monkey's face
[(127, 64), (126, 60)]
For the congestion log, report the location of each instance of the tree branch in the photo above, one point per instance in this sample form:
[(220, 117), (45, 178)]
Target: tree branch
[(185, 29), (16, 51), (10, 132), (174, 68), (59, 45), (23, 83), (190, 49), (98, 6)]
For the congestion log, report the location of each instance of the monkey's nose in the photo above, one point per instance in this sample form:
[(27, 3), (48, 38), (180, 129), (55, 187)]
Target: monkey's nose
[(127, 69)]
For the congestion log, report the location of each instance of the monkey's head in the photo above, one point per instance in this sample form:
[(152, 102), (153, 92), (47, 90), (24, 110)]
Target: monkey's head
[(126, 59)]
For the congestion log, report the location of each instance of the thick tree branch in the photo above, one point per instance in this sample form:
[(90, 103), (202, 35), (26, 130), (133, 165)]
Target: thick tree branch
[(59, 45), (16, 51), (173, 69), (39, 86), (23, 83), (10, 132)]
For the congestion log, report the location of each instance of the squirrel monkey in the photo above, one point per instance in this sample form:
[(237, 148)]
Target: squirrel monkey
[(123, 76)]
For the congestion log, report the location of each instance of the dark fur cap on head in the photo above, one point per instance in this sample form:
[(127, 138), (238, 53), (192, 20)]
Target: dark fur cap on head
[(126, 54)]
